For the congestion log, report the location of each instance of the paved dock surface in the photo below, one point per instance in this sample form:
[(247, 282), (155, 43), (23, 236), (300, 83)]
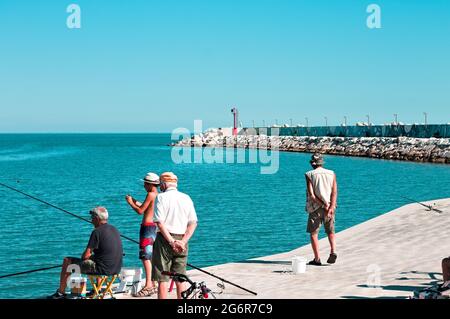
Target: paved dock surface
[(389, 256)]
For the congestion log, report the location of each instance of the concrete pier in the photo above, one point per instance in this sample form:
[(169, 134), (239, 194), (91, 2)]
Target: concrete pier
[(389, 256)]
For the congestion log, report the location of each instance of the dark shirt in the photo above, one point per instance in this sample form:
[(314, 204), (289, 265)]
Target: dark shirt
[(107, 247)]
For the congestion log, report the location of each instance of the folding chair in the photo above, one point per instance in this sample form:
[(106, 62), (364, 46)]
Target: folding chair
[(97, 282)]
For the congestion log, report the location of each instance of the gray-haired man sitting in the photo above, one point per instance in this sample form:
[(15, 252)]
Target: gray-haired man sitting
[(102, 256)]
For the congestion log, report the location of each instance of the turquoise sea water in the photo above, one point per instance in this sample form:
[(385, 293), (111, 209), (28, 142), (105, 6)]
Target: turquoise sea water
[(242, 213)]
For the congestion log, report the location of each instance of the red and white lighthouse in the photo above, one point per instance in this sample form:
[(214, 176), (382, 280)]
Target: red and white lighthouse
[(235, 121)]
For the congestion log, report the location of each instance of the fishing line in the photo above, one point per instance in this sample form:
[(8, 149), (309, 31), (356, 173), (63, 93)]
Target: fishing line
[(123, 236)]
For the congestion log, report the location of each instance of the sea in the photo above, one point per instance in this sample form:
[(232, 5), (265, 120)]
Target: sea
[(242, 213)]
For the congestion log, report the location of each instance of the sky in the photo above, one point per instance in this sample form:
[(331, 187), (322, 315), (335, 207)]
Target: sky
[(153, 66)]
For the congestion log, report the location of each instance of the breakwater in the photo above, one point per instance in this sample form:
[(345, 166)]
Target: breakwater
[(434, 150)]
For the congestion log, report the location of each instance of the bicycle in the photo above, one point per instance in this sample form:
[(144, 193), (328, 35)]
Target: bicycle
[(195, 291)]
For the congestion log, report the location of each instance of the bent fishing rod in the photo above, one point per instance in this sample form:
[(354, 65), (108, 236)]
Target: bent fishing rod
[(430, 207), (125, 237)]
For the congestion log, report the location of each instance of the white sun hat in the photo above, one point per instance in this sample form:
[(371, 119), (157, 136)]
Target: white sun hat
[(151, 178)]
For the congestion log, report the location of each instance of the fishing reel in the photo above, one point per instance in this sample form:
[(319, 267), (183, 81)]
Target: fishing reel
[(221, 285)]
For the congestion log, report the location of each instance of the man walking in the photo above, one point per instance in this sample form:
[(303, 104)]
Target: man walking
[(147, 233), (176, 219), (321, 205)]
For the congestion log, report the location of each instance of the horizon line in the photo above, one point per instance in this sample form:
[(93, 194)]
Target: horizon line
[(75, 132)]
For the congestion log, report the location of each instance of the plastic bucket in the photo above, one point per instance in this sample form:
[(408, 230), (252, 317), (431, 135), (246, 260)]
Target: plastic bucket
[(78, 286), (130, 278), (298, 265)]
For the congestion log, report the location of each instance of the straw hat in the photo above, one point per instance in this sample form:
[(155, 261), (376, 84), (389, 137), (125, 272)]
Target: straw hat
[(168, 177)]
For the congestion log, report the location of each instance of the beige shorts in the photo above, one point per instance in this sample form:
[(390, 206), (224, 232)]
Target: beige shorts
[(165, 259), (87, 266), (317, 218)]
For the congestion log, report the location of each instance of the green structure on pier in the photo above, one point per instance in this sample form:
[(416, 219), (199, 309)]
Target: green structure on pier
[(417, 131)]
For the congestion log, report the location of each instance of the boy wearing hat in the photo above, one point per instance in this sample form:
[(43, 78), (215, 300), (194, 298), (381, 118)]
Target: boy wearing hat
[(147, 233), (321, 206)]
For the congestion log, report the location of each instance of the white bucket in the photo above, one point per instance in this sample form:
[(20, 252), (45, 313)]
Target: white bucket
[(130, 279), (298, 265), (78, 285)]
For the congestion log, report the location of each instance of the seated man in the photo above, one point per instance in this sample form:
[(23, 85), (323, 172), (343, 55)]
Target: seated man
[(103, 254), (446, 272)]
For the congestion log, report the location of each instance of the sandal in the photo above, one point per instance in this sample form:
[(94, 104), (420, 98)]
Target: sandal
[(315, 263), (146, 292)]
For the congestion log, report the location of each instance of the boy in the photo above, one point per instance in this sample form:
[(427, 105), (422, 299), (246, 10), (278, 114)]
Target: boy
[(147, 232)]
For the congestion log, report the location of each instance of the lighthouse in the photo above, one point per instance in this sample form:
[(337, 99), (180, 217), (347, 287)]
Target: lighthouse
[(235, 120)]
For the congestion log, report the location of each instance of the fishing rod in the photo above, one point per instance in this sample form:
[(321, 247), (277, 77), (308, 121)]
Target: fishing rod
[(30, 271), (58, 208), (430, 207), (125, 237), (223, 280)]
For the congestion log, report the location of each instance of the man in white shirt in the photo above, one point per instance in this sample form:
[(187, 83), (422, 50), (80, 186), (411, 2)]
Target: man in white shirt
[(176, 219), (321, 205)]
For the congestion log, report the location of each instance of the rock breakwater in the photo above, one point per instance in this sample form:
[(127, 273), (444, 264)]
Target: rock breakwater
[(434, 150)]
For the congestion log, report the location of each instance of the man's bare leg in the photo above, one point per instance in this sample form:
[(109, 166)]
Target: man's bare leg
[(64, 276), (148, 274), (332, 240), (446, 269), (180, 288), (162, 290), (315, 245)]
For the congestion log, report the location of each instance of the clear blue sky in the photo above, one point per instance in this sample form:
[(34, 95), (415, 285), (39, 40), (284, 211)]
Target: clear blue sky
[(157, 65)]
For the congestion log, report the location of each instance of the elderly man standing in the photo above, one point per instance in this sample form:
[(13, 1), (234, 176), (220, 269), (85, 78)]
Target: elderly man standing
[(176, 219), (321, 206)]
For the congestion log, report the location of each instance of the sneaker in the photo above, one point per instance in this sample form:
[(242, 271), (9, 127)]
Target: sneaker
[(57, 295), (315, 263), (332, 258)]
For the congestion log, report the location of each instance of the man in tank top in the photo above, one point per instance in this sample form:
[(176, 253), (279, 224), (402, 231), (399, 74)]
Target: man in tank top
[(321, 206)]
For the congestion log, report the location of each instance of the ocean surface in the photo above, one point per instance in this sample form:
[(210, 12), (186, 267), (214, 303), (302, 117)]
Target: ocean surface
[(242, 213)]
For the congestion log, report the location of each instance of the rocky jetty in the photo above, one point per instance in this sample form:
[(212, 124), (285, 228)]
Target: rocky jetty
[(434, 150)]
